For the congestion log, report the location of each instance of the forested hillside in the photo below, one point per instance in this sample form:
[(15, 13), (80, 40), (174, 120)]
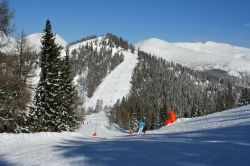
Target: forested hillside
[(159, 86), (95, 59)]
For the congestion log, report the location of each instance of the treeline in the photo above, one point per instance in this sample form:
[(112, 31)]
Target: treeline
[(159, 86), (110, 40), (83, 39), (244, 98), (93, 62), (115, 41)]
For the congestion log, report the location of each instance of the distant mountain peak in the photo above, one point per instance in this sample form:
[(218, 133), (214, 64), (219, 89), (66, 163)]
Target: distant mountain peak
[(154, 41), (207, 55), (35, 41)]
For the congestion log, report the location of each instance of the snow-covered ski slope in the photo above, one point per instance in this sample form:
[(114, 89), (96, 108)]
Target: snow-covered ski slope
[(208, 55), (116, 84), (214, 140)]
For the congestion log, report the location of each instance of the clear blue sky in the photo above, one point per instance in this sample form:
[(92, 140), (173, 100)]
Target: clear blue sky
[(172, 20)]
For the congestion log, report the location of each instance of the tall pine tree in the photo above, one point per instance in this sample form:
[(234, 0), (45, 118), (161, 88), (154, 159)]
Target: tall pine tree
[(46, 117)]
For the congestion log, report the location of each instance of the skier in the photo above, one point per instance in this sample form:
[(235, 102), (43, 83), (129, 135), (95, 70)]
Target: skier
[(141, 127)]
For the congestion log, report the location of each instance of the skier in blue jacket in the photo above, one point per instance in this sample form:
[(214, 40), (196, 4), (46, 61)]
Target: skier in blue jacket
[(141, 126)]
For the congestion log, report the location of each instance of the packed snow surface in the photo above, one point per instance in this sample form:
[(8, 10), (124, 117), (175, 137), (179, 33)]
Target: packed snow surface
[(208, 55), (214, 140)]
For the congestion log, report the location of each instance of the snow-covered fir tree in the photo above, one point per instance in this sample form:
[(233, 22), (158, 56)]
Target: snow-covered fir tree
[(55, 106), (69, 116)]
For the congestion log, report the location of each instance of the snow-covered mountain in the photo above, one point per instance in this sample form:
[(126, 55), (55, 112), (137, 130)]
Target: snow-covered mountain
[(35, 41), (195, 55), (114, 86), (117, 83), (208, 55)]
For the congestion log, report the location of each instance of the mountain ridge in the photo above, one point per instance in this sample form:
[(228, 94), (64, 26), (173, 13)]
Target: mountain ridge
[(208, 55), (121, 76)]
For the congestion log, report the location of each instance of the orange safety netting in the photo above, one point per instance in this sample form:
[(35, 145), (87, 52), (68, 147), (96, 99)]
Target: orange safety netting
[(171, 118)]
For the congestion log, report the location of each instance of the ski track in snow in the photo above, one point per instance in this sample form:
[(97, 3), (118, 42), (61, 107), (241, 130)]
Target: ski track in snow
[(213, 140)]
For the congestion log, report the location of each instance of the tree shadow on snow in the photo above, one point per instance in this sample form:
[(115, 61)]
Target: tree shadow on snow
[(4, 162), (222, 146), (229, 117)]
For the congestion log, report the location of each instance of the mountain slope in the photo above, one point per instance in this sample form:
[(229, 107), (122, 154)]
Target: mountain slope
[(217, 139), (116, 84), (195, 55), (219, 49), (201, 56)]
